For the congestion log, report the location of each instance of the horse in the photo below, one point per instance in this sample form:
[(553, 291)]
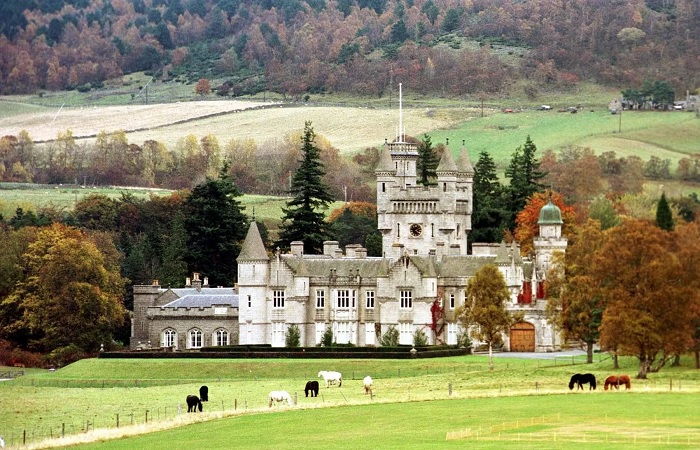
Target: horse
[(311, 388), (581, 379), (279, 396), (193, 402), (625, 379), (331, 378), (367, 382), (612, 381), (204, 393)]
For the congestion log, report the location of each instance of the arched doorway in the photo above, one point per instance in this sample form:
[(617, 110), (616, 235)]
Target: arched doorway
[(522, 337)]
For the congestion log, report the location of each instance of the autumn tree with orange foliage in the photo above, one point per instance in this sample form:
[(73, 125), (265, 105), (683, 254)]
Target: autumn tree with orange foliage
[(650, 290), (203, 87), (526, 221)]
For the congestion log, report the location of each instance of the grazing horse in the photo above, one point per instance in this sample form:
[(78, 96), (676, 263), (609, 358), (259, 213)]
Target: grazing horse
[(204, 393), (193, 402), (312, 388), (331, 377), (613, 381), (367, 382), (581, 379), (279, 396), (625, 379)]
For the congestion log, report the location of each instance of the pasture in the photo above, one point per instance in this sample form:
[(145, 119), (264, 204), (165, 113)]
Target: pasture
[(426, 401)]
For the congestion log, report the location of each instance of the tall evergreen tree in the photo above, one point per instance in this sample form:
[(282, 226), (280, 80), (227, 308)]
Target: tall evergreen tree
[(524, 175), (215, 226), (427, 161), (303, 220), (664, 218), (488, 215)]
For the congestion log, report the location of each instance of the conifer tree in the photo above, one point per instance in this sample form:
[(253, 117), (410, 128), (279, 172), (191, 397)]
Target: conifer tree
[(303, 220), (215, 226), (524, 175), (427, 161), (664, 218), (488, 215)]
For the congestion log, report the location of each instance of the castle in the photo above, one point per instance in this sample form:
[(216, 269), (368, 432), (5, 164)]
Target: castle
[(416, 285)]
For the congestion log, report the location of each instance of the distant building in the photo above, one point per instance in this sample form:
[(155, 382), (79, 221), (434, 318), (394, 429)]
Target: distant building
[(415, 286)]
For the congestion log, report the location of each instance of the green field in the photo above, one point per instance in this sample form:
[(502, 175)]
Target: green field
[(424, 401)]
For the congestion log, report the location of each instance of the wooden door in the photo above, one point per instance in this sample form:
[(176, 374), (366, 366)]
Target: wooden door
[(522, 337)]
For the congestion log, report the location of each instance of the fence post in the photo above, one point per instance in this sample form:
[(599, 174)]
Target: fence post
[(146, 417), (295, 394), (63, 429), (449, 389), (235, 404), (117, 420)]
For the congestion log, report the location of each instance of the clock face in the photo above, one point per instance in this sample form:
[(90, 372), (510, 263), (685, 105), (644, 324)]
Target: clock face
[(416, 230)]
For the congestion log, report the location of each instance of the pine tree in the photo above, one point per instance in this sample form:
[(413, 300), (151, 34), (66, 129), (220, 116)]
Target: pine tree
[(524, 175), (302, 219), (427, 161), (488, 215), (215, 226), (664, 218)]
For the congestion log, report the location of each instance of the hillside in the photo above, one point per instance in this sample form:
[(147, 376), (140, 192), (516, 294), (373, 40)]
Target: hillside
[(304, 47)]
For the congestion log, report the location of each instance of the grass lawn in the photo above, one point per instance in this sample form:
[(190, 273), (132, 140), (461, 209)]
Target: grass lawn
[(435, 396)]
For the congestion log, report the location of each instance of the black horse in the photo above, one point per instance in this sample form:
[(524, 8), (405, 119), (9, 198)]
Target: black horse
[(204, 393), (311, 386), (193, 403), (581, 379)]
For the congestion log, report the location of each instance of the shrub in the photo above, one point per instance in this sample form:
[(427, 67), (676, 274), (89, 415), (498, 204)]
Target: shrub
[(327, 338), (463, 340), (293, 337), (420, 339), (65, 355), (391, 337)]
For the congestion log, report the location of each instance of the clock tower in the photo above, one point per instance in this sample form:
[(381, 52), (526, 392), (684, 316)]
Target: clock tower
[(417, 219)]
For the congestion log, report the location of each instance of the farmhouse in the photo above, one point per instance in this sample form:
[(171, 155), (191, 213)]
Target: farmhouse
[(415, 286)]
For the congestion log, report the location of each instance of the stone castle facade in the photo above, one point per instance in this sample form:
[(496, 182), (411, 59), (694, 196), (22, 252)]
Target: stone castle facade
[(416, 285)]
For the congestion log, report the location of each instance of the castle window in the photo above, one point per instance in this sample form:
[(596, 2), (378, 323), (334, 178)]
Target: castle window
[(320, 330), (343, 333), (250, 302), (169, 338), (369, 299), (342, 298), (320, 299), (452, 333), (220, 338), (194, 338), (398, 230), (452, 301), (369, 333), (278, 331), (444, 187), (383, 187), (406, 299), (405, 333), (278, 299)]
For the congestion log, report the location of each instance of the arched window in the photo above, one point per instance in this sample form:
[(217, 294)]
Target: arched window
[(220, 338), (169, 338), (194, 338)]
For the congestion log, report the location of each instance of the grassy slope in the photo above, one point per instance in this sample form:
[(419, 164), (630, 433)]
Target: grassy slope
[(65, 397)]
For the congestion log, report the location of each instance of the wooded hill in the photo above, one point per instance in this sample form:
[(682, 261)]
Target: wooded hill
[(294, 47)]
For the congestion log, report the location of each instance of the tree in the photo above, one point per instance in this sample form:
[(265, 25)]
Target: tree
[(664, 218), (488, 214), (203, 87), (484, 310), (427, 161), (215, 226), (527, 227), (354, 228), (302, 221), (391, 337), (524, 175), (292, 337), (576, 304), (651, 299), (71, 294)]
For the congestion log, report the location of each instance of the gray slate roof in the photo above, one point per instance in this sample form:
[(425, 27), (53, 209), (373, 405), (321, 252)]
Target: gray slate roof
[(253, 248), (203, 301)]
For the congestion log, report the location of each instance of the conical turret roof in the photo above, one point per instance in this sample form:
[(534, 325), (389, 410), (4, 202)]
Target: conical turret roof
[(447, 162), (550, 214), (253, 248), (385, 163), (464, 165)]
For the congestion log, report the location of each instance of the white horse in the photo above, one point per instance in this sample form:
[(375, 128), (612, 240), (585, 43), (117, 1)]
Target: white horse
[(367, 382), (331, 377), (279, 396)]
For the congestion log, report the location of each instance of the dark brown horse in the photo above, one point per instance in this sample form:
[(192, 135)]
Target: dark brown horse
[(193, 403), (581, 379)]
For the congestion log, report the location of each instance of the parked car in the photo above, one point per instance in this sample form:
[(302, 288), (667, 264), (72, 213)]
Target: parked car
[(507, 110), (544, 108)]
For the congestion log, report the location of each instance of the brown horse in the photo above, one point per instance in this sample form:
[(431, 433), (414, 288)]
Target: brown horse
[(612, 381), (615, 381)]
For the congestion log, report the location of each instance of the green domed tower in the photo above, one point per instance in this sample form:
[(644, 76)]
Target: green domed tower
[(550, 239)]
